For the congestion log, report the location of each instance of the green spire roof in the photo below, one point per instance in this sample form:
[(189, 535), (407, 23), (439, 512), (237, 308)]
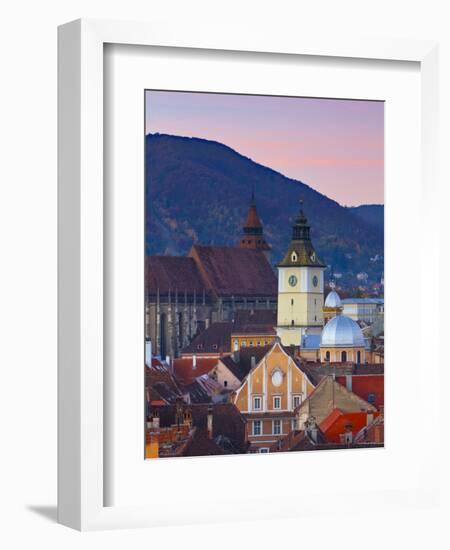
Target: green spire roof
[(301, 251)]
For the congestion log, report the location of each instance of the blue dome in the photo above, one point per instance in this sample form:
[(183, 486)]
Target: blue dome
[(333, 300), (340, 332)]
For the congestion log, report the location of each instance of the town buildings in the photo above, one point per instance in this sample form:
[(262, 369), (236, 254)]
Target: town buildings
[(243, 364), (186, 295)]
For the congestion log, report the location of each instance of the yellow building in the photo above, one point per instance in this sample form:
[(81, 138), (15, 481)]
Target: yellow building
[(269, 395), (300, 287), (255, 338)]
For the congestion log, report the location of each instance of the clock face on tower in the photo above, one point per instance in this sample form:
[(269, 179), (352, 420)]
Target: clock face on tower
[(292, 280), (315, 280)]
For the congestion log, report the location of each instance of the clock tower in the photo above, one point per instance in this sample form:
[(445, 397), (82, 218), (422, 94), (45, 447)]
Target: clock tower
[(300, 287)]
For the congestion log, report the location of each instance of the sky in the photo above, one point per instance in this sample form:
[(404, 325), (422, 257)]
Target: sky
[(334, 146)]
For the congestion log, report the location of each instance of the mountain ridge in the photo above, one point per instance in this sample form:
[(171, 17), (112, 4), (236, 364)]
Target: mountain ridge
[(181, 169)]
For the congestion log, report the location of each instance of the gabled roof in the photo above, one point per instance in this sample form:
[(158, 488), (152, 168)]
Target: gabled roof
[(201, 445), (227, 422), (185, 370), (229, 271), (214, 340), (258, 322), (329, 395), (160, 383), (240, 364), (337, 421), (173, 273)]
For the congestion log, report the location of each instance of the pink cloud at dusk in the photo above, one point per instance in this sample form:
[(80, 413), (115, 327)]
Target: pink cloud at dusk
[(334, 146)]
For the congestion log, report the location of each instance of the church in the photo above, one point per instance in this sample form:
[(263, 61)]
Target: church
[(185, 295)]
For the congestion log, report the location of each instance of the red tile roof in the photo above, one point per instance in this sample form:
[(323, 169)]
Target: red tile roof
[(369, 387), (173, 273), (185, 371), (336, 422), (229, 271)]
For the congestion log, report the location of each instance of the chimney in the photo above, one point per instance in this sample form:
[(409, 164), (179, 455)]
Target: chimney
[(156, 420), (348, 382), (348, 435), (148, 352), (194, 361), (312, 430), (187, 417), (209, 423)]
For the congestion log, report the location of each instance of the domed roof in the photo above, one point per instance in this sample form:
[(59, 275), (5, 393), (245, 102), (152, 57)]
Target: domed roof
[(333, 300), (341, 331)]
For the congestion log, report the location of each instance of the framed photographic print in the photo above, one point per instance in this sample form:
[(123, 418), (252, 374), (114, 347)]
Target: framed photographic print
[(232, 221)]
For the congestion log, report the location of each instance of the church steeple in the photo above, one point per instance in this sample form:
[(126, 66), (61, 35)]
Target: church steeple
[(253, 236), (300, 287), (301, 250)]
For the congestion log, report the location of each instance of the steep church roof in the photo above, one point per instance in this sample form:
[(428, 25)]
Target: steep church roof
[(229, 271), (171, 273)]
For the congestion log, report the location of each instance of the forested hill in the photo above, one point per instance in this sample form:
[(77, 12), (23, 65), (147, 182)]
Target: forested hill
[(199, 190)]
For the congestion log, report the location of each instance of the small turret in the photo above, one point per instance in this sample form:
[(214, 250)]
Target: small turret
[(253, 236)]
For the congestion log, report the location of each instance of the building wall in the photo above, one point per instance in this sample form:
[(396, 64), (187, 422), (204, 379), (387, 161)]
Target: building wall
[(250, 340), (171, 327), (267, 437), (262, 383), (336, 354), (222, 375)]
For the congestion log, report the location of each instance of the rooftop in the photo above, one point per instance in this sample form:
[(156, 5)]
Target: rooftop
[(214, 340), (230, 271)]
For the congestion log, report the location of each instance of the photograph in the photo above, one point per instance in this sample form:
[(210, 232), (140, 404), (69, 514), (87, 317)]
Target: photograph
[(264, 274)]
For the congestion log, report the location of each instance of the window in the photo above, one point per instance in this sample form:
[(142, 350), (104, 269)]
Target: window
[(276, 427), (225, 383), (296, 400), (358, 357), (292, 322), (256, 427), (344, 356), (292, 301), (250, 343), (258, 344), (327, 356), (277, 402), (257, 403), (264, 450)]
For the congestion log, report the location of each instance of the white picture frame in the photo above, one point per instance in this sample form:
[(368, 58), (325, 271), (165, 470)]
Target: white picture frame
[(81, 481)]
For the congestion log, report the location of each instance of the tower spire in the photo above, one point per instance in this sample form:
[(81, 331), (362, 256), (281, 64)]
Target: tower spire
[(252, 235), (301, 251)]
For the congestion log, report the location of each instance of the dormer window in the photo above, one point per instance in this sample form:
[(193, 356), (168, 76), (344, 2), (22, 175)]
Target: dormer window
[(294, 256)]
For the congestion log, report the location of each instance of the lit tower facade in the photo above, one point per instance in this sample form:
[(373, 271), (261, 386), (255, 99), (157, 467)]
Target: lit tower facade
[(253, 236), (300, 287)]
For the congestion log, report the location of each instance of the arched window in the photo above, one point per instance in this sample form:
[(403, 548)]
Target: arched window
[(327, 356), (358, 355), (292, 322), (344, 356)]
